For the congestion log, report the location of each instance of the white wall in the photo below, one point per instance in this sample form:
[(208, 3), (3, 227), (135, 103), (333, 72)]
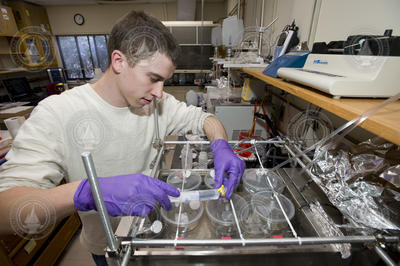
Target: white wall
[(341, 18), (336, 19), (285, 11), (99, 19)]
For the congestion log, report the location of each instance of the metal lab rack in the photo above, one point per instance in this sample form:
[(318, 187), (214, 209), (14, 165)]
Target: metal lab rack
[(308, 239)]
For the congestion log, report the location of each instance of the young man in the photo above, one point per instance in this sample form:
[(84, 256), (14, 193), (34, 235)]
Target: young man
[(113, 119)]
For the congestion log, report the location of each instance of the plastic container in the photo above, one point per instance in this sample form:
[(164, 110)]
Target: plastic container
[(197, 195), (187, 157), (146, 231), (221, 216), (191, 98), (192, 181), (209, 179), (203, 160), (252, 225), (190, 218), (255, 180), (236, 92), (267, 208)]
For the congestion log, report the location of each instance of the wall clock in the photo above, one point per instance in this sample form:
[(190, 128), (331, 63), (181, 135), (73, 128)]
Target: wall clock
[(79, 19)]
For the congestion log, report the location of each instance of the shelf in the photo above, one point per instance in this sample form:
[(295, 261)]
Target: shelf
[(192, 71), (8, 53), (12, 70), (384, 123), (15, 111)]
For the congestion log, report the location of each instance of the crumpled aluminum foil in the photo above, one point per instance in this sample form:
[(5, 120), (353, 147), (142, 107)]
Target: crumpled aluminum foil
[(346, 180), (222, 82), (392, 175), (329, 228)]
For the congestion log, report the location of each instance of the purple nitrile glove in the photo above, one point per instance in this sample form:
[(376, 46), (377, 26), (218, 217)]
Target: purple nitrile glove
[(225, 161), (126, 195)]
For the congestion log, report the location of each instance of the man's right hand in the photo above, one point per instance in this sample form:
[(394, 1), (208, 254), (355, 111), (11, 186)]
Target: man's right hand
[(126, 195)]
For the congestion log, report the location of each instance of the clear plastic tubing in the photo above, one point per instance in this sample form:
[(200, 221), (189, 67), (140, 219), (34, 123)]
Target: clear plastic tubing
[(196, 195)]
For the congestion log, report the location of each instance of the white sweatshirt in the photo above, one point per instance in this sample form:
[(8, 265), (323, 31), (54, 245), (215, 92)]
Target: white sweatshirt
[(49, 144)]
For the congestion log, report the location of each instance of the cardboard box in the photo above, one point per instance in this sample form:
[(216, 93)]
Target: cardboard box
[(8, 27), (27, 14)]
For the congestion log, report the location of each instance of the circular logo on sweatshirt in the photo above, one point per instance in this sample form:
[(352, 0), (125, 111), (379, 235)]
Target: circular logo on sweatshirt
[(87, 132), (32, 217), (30, 48)]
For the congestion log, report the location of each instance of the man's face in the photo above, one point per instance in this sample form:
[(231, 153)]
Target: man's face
[(139, 84)]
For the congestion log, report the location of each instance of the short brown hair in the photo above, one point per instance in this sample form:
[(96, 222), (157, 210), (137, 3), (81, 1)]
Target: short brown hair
[(139, 36)]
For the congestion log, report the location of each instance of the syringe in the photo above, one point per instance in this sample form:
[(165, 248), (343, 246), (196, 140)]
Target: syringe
[(199, 195)]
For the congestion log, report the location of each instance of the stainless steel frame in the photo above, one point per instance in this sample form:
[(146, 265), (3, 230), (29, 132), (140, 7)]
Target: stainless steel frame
[(123, 248)]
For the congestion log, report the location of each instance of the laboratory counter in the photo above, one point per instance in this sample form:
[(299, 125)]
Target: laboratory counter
[(384, 123)]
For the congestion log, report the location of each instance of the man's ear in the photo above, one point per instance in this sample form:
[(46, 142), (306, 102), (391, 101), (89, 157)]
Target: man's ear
[(118, 61)]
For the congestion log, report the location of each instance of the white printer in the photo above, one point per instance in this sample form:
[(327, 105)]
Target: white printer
[(348, 75)]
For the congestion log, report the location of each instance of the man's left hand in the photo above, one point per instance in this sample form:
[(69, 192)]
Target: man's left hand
[(225, 161)]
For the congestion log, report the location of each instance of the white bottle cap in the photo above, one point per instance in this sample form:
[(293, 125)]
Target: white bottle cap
[(212, 173)]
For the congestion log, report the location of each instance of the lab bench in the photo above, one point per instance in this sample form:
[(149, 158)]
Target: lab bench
[(384, 123), (304, 241)]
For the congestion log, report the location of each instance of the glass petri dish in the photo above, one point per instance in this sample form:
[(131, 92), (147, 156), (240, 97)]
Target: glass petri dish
[(255, 180), (266, 206), (192, 181), (190, 217)]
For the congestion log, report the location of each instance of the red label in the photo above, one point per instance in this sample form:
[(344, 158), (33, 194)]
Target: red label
[(180, 238)]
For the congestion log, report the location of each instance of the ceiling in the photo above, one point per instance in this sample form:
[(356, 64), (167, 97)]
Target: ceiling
[(94, 2)]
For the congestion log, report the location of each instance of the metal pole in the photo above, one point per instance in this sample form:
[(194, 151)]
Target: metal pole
[(295, 156), (384, 256), (157, 162), (230, 142), (128, 252), (260, 33), (238, 9), (98, 199), (156, 119), (253, 242)]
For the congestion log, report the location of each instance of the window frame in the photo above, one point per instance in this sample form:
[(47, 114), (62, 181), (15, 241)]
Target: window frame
[(82, 69)]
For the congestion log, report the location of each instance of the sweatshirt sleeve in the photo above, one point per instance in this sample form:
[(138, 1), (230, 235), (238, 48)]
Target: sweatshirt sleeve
[(35, 159), (183, 118)]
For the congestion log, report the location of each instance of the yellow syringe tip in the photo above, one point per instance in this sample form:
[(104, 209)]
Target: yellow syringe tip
[(222, 191)]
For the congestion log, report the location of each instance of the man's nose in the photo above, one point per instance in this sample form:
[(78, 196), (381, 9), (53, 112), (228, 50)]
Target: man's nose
[(157, 90)]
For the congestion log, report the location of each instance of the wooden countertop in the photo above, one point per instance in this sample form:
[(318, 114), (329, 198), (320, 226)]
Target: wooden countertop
[(384, 123)]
